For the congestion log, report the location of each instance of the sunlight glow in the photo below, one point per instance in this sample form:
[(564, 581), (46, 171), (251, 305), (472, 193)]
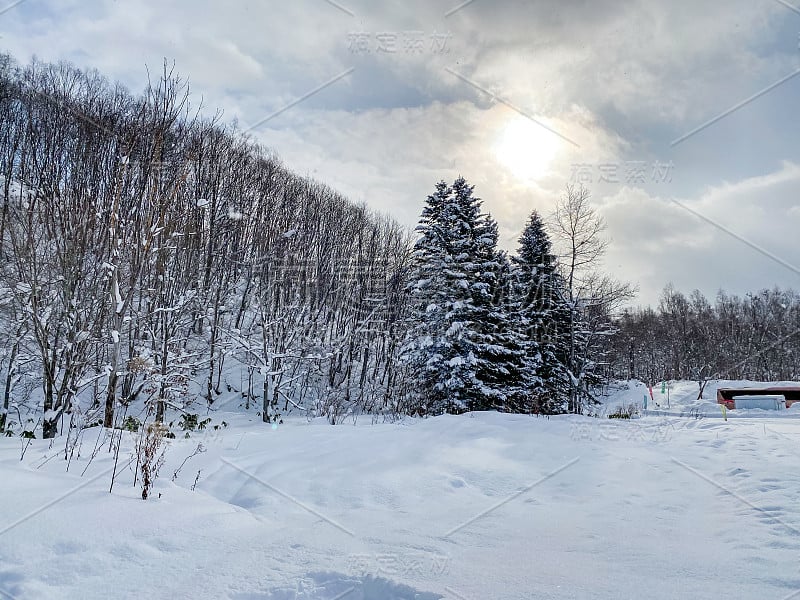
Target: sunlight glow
[(526, 149)]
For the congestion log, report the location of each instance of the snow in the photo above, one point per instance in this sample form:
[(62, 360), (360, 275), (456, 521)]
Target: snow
[(765, 402), (482, 505), (682, 399), (118, 301)]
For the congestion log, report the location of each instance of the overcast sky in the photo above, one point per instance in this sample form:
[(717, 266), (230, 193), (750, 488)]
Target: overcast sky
[(681, 117)]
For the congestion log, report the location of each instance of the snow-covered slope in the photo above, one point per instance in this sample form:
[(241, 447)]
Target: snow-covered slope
[(469, 507)]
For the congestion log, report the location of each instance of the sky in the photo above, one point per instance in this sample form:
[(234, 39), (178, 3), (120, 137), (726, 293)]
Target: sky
[(680, 117)]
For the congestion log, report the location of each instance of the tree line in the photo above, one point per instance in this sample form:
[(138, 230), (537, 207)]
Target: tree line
[(152, 257), (526, 333), (755, 336), (146, 250)]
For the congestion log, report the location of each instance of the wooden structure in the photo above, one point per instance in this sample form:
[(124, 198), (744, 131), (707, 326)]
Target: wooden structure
[(727, 396)]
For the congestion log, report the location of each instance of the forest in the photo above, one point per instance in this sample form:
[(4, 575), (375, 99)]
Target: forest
[(152, 257), (686, 337)]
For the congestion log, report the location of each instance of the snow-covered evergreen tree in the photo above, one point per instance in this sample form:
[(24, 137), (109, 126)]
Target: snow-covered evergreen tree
[(462, 347), (539, 309), (500, 344), (440, 349)]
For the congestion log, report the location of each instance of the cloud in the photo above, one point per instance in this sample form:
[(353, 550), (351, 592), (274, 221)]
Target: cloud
[(655, 240), (621, 82), (395, 156)]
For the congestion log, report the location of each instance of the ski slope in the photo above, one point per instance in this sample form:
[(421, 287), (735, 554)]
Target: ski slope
[(459, 507)]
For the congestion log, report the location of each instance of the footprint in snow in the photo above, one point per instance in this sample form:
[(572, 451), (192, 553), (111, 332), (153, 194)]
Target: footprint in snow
[(737, 471), (769, 487)]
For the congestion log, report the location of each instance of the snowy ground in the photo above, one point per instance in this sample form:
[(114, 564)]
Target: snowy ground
[(470, 507)]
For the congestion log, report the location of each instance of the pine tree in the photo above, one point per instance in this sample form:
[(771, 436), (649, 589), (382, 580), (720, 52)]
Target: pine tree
[(500, 345), (440, 350), (463, 346), (539, 309)]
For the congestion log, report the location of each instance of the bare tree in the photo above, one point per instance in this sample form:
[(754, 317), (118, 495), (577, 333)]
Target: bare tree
[(589, 298)]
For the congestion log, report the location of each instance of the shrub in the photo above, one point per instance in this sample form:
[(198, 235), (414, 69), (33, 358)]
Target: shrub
[(131, 424), (189, 422), (150, 451), (623, 412)]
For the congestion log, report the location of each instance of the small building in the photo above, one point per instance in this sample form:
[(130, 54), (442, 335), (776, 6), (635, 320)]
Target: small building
[(749, 396)]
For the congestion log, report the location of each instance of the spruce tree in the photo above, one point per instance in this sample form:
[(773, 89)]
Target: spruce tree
[(440, 349), (500, 345), (463, 348), (539, 309)]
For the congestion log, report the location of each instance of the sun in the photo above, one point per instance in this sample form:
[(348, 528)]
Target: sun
[(526, 148)]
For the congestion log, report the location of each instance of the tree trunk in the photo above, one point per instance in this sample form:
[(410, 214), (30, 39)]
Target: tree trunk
[(9, 380)]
